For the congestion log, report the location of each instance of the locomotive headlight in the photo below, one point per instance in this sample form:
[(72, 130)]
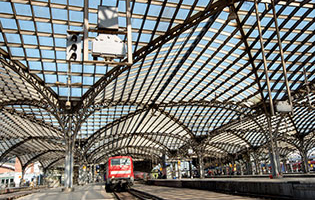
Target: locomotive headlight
[(128, 176), (113, 176)]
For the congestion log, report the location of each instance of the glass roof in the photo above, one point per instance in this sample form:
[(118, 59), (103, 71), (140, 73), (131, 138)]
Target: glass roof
[(197, 73)]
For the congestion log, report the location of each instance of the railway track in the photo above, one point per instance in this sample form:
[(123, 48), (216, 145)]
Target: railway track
[(133, 194)]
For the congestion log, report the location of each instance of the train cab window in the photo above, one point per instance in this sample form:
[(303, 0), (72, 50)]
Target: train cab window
[(120, 161)]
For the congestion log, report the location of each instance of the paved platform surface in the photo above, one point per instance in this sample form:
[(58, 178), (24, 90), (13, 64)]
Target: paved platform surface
[(254, 179), (288, 188), (171, 193), (87, 192)]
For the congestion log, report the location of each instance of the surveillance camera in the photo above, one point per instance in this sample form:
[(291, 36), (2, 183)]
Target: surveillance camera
[(68, 105)]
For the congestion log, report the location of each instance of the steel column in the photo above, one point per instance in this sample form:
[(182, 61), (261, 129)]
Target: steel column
[(68, 182), (179, 170), (272, 152), (281, 54), (129, 32), (164, 171), (264, 59), (86, 31), (303, 153), (190, 170), (201, 166)]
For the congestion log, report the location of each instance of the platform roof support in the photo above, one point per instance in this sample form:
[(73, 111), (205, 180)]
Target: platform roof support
[(272, 152), (129, 32), (70, 143), (264, 59), (85, 31), (304, 158), (68, 183), (282, 55), (193, 74), (201, 166)]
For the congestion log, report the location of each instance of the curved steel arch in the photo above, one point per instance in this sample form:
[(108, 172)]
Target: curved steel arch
[(37, 156), (133, 155), (310, 127), (28, 102), (124, 136), (144, 107), (130, 115), (222, 146), (310, 145), (231, 106), (153, 45), (235, 133), (177, 121), (294, 142), (265, 146), (33, 119), (112, 152), (213, 153), (95, 135), (222, 129), (53, 163), (193, 86), (37, 84), (3, 155), (204, 103)]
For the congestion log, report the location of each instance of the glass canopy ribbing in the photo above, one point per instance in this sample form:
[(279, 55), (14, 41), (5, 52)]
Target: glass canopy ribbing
[(198, 82)]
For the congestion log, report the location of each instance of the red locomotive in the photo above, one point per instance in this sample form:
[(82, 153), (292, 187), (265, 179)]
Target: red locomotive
[(119, 173)]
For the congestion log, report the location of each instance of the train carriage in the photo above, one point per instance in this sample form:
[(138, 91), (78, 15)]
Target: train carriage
[(119, 173)]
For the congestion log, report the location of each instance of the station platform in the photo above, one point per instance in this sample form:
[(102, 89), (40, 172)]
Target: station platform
[(97, 192), (171, 193), (183, 189), (284, 188), (86, 192)]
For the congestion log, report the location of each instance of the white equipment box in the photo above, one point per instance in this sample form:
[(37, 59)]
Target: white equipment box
[(108, 46)]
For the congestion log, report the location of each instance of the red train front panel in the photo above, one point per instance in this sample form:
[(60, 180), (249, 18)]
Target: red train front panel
[(119, 173)]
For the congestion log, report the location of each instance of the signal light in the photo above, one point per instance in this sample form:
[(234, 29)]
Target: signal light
[(73, 47), (73, 56), (74, 38)]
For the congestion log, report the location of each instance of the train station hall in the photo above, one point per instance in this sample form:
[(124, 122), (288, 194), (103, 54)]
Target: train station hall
[(157, 99)]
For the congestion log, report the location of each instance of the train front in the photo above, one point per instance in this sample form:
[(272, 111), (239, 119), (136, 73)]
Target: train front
[(119, 173)]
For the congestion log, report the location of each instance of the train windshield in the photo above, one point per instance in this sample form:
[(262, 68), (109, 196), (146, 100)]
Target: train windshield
[(120, 161)]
